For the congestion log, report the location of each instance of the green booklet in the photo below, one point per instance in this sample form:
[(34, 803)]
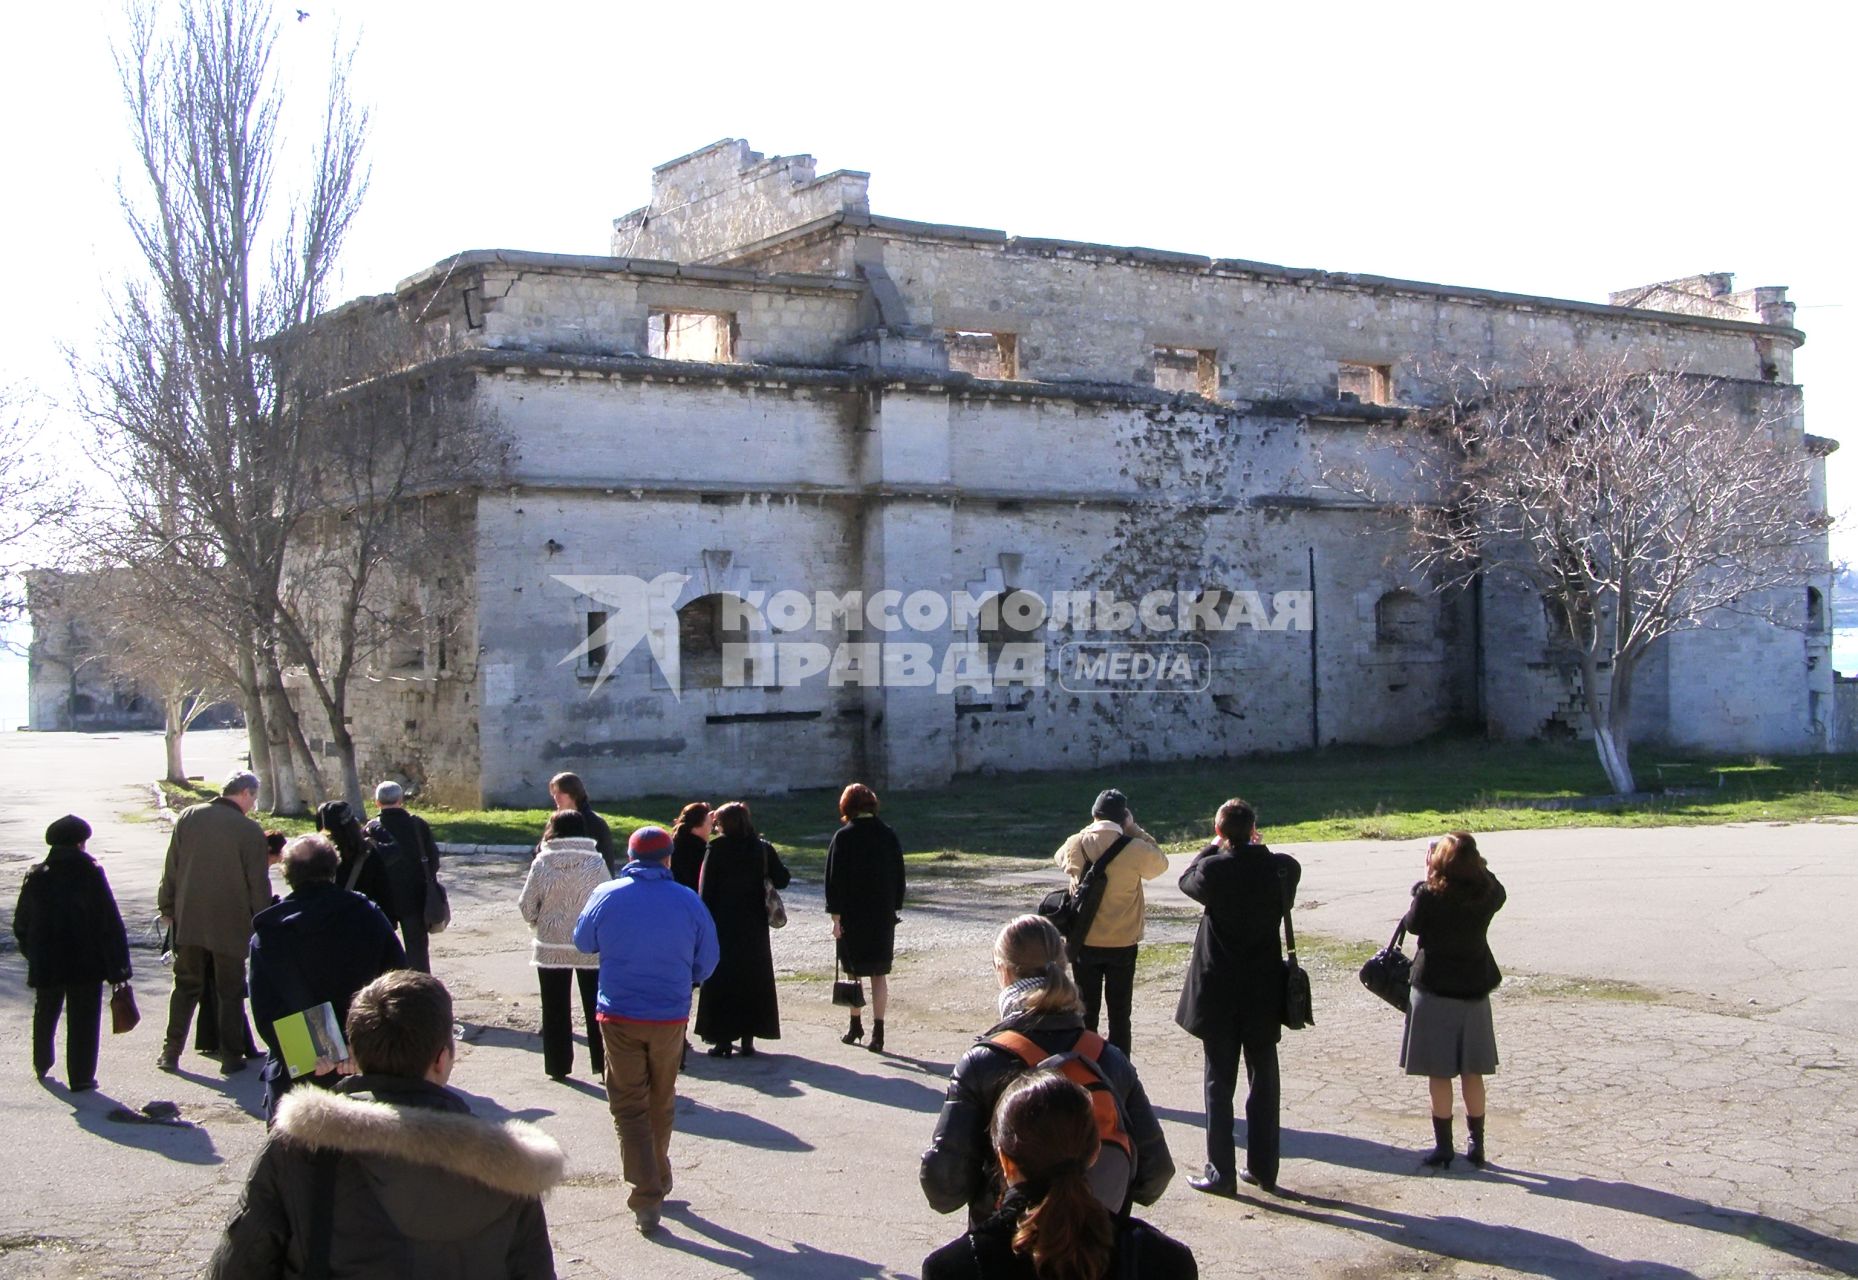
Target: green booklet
[(308, 1036)]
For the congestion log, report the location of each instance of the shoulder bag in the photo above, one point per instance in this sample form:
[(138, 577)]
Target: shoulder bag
[(1389, 973), (1298, 1012), (777, 910), (1074, 910)]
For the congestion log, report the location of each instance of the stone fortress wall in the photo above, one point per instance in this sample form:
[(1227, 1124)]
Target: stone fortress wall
[(861, 403)]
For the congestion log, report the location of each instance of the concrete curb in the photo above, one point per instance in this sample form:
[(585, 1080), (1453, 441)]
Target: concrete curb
[(163, 813), (486, 850)]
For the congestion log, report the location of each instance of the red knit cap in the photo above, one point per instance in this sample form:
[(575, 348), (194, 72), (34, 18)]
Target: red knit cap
[(650, 843)]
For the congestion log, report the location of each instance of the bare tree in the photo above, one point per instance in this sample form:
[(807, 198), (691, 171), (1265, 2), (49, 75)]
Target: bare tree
[(1637, 502), (190, 388), (30, 501)]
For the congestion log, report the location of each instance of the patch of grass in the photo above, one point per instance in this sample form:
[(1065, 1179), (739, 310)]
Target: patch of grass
[(1162, 960), (1318, 951), (1338, 793), (1583, 989)]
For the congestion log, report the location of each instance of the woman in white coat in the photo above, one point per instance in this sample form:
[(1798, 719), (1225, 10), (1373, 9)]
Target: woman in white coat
[(567, 869)]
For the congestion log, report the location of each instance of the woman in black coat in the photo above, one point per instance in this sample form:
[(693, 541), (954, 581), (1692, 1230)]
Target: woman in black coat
[(1049, 1224), (1448, 1028), (361, 870), (738, 1000), (864, 893), (73, 938), (1233, 998), (690, 840)]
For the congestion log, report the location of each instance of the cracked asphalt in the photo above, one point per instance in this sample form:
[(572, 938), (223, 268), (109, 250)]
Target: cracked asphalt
[(1678, 1095)]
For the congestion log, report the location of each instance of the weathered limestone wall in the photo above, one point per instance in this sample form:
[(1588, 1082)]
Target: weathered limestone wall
[(726, 195)]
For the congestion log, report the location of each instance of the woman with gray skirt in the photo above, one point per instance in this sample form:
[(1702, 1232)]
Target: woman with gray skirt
[(1448, 1030)]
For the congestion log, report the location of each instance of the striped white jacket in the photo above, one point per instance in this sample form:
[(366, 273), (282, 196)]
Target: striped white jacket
[(561, 879)]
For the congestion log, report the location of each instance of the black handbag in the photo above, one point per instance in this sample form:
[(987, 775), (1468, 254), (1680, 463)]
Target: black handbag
[(1389, 973), (847, 995), (1298, 1010), (1073, 911)]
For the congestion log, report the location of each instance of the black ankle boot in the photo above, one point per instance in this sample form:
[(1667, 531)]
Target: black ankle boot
[(877, 1036), (1474, 1151), (856, 1032), (1441, 1156)]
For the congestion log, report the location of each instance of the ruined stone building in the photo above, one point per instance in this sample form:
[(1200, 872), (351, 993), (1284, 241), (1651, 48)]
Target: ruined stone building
[(768, 388)]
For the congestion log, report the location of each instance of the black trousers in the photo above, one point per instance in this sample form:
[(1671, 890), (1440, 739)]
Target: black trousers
[(558, 1019), (1223, 1050), (82, 1006), (413, 937), (190, 968), (1111, 970)]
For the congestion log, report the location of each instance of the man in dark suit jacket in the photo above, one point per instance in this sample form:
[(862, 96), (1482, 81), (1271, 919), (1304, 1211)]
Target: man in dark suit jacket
[(1233, 999)]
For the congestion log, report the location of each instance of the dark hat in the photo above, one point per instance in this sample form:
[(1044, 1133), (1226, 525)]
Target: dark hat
[(68, 832), (1112, 805), (651, 844), (334, 816)]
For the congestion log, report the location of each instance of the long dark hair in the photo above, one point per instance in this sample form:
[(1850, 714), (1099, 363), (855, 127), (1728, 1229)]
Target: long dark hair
[(336, 818), (571, 786), (1043, 1123), (689, 818)]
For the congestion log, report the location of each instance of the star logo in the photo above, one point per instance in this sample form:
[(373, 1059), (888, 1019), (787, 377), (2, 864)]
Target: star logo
[(636, 610)]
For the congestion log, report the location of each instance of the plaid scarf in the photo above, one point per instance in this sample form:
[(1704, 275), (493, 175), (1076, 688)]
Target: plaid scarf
[(1013, 997)]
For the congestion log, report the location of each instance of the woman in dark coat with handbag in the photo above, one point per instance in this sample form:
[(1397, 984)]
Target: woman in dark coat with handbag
[(864, 893), (73, 938), (738, 1000), (1233, 998), (1448, 1027)]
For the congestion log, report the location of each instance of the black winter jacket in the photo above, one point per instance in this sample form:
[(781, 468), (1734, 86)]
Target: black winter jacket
[(1235, 979), (67, 923), (421, 1188), (412, 861), (319, 944), (1451, 955), (986, 1252), (960, 1168)]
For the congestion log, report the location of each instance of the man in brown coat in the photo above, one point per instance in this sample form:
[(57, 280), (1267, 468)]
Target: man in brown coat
[(214, 882)]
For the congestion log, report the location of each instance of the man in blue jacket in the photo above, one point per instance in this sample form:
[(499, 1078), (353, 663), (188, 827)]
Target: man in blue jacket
[(655, 940)]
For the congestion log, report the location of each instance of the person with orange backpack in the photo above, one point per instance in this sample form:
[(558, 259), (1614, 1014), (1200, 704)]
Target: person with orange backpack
[(1042, 1026)]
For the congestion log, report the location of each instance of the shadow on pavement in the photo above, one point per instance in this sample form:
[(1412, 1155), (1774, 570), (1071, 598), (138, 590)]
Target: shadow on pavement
[(758, 1258), (1481, 1243), (491, 1109), (186, 1144), (780, 1075), (1622, 1197), (735, 1126)]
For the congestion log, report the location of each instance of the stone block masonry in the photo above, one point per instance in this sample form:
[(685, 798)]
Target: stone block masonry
[(813, 436)]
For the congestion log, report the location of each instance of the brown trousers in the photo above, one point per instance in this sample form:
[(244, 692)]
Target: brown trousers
[(641, 1091)]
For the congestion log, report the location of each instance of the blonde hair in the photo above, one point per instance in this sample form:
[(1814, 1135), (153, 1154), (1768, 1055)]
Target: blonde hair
[(1031, 947)]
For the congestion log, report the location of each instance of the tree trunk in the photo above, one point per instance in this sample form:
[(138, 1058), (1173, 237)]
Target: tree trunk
[(1609, 712), (351, 774), (311, 771), (258, 747), (286, 796), (173, 726)]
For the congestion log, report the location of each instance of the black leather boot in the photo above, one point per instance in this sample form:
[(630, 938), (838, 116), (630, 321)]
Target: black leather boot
[(877, 1036), (1441, 1156), (1474, 1151), (856, 1032)]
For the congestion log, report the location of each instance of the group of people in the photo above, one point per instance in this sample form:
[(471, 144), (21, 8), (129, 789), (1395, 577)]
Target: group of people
[(1047, 1138)]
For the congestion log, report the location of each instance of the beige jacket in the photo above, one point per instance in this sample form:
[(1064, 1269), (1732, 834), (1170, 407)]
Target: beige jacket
[(215, 879), (1119, 921)]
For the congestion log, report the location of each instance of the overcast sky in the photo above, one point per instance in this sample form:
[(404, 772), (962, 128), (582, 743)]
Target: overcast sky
[(1565, 150)]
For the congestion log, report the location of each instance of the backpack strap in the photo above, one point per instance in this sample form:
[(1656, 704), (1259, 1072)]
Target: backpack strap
[(316, 1260), (1089, 1046), (1021, 1046)]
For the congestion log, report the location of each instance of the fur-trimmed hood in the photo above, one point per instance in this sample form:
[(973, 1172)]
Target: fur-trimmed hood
[(513, 1158)]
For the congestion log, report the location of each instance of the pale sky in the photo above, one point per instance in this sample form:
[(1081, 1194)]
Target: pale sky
[(1565, 150)]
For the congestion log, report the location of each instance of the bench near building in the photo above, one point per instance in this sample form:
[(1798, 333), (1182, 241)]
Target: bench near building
[(791, 405)]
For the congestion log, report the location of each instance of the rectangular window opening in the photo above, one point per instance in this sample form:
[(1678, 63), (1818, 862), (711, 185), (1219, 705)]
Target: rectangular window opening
[(706, 336), (594, 658), (1187, 371), (1364, 383), (985, 355)]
